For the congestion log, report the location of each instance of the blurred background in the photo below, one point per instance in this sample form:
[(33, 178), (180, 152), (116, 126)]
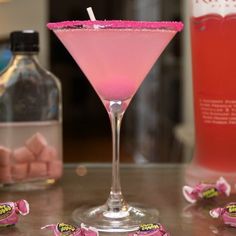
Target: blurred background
[(158, 125)]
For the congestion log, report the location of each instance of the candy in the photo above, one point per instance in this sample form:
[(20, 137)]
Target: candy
[(150, 230), (5, 154), (62, 229), (55, 169), (36, 160), (48, 154), (5, 174), (9, 212), (206, 191), (89, 231), (23, 155), (37, 170), (36, 143), (228, 213), (19, 171)]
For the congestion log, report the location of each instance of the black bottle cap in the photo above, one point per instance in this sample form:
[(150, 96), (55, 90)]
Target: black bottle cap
[(24, 41)]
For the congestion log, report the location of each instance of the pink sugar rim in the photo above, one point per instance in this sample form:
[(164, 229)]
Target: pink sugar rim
[(168, 25)]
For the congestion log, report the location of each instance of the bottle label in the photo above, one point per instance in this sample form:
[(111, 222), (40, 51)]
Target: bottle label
[(207, 7)]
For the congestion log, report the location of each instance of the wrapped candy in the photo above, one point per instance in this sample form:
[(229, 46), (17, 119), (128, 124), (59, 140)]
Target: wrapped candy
[(228, 213), (150, 230), (9, 212), (206, 191), (62, 229)]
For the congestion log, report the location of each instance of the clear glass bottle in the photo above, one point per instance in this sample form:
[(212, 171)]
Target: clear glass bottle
[(30, 118)]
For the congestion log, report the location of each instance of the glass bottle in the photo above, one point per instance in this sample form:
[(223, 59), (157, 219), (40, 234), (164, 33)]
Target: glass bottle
[(213, 47), (30, 118)]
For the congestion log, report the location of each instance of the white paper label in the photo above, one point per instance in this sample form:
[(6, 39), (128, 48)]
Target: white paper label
[(220, 7)]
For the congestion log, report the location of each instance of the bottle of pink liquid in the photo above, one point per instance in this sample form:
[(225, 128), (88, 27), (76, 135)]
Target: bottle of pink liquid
[(213, 38), (30, 118)]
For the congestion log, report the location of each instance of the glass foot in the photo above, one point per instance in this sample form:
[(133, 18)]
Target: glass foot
[(128, 219)]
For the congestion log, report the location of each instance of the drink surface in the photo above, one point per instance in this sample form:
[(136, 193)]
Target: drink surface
[(117, 58), (214, 72)]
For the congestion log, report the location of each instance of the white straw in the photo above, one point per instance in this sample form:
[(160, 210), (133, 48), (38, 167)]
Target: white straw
[(91, 14)]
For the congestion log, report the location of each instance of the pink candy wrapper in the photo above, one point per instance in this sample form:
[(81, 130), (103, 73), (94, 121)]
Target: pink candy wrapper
[(150, 230), (206, 191), (9, 212), (228, 214), (62, 229)]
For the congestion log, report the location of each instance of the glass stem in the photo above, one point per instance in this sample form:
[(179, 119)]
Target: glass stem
[(115, 201)]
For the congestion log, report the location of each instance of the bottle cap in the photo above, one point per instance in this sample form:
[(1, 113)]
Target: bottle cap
[(24, 41)]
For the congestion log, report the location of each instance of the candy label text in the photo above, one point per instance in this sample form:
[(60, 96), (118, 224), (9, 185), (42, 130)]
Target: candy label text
[(148, 227), (210, 193), (65, 228), (5, 211), (231, 209)]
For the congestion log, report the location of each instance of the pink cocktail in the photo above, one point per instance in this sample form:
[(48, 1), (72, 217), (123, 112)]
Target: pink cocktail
[(115, 56)]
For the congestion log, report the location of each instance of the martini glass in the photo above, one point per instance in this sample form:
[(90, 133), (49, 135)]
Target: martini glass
[(115, 56)]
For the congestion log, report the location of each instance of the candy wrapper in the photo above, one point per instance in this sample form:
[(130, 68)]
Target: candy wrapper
[(206, 191), (62, 229), (227, 213), (9, 212), (150, 230)]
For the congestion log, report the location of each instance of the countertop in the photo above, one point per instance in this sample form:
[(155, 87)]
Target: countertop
[(154, 185)]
